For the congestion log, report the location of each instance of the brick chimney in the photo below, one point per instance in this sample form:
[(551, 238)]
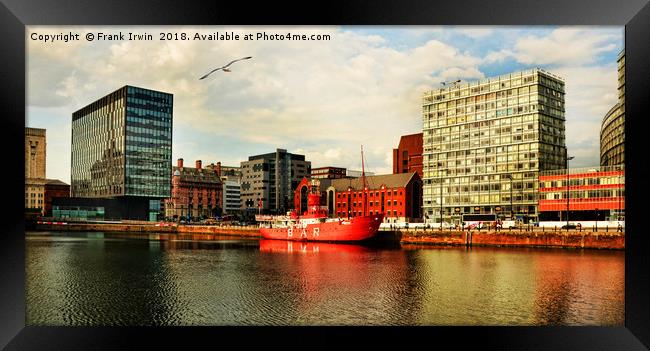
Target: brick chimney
[(198, 164), (218, 169), (180, 163)]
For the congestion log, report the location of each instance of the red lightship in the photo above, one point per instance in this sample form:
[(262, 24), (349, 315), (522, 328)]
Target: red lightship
[(314, 224)]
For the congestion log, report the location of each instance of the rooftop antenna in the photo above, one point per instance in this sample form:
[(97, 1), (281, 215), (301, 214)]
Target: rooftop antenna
[(452, 84)]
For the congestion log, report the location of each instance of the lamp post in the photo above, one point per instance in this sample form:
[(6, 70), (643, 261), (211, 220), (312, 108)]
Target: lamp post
[(620, 188), (511, 208), (440, 202), (569, 158)]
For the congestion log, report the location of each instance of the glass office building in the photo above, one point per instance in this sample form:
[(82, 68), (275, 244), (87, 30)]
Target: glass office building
[(121, 147), (484, 144)]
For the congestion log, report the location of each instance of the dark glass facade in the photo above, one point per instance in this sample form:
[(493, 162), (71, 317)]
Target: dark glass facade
[(148, 143), (121, 145)]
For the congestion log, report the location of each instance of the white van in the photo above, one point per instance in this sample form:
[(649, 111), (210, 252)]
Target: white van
[(508, 224)]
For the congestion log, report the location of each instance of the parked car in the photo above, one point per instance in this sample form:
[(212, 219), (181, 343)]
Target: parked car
[(569, 226), (445, 225), (476, 225), (511, 224)]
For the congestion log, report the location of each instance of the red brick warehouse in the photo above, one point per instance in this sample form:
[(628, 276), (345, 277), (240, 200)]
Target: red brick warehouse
[(398, 196)]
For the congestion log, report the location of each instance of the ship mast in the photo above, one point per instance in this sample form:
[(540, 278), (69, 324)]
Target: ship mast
[(363, 179)]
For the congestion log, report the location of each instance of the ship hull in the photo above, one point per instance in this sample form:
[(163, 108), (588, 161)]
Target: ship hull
[(357, 229)]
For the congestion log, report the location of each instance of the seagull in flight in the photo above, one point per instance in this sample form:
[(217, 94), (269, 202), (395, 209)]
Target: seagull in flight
[(225, 68)]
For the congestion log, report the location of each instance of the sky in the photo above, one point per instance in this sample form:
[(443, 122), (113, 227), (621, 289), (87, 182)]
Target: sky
[(320, 98)]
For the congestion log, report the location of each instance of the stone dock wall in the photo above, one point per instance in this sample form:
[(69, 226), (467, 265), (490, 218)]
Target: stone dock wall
[(582, 239), (252, 231), (517, 238)]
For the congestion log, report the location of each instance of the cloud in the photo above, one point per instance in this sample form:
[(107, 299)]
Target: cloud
[(498, 56), (566, 46), (591, 92), (323, 97), (476, 32)]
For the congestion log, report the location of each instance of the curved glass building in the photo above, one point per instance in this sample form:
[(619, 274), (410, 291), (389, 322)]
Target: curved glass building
[(612, 131)]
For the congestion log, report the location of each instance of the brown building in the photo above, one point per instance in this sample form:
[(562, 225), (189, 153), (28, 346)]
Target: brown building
[(196, 192), (408, 155), (35, 168), (54, 188), (328, 172)]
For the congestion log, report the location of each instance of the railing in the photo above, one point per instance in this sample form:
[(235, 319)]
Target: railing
[(579, 227)]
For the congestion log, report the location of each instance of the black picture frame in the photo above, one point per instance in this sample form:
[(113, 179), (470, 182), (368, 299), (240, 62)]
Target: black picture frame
[(16, 14)]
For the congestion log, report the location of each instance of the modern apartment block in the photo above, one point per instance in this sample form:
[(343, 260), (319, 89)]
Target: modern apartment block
[(408, 155), (121, 151), (268, 181), (35, 149), (485, 142), (232, 195), (612, 131), (231, 177)]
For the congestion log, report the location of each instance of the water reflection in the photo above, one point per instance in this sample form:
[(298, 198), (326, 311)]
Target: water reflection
[(303, 247), (341, 284), (98, 282), (168, 279), (564, 285)]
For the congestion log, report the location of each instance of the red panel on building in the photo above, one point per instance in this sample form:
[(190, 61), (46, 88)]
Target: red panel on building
[(408, 155), (54, 188), (588, 191)]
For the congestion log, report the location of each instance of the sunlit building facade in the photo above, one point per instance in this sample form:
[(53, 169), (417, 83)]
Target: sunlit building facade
[(484, 144), (35, 151)]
